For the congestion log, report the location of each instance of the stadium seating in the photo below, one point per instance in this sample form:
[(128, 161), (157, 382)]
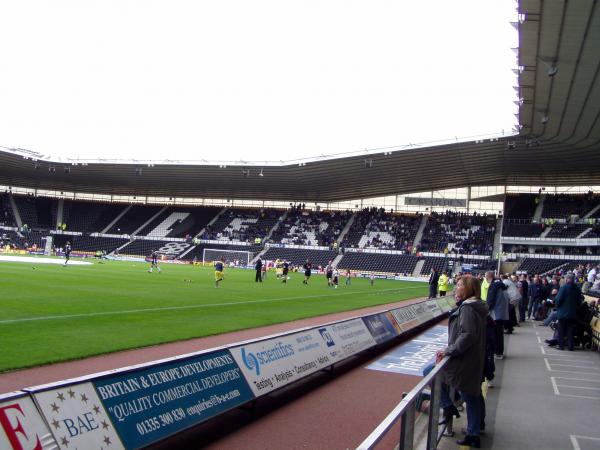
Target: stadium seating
[(440, 263), (522, 229), (565, 205), (143, 247), (540, 265), (567, 230), (297, 257), (374, 228), (179, 222), (23, 240), (243, 225), (379, 262), (6, 214), (36, 212), (198, 251), (134, 218), (317, 228), (520, 206), (460, 233), (88, 216), (88, 243)]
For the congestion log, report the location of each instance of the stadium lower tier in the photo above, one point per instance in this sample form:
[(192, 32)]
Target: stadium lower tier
[(401, 264)]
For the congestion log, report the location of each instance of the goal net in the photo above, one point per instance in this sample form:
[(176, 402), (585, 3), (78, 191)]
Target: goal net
[(237, 258)]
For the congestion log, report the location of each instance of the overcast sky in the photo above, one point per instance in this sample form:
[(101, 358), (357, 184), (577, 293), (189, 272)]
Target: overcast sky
[(251, 79)]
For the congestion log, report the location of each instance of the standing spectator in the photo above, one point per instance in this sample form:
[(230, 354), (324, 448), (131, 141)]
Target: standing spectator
[(443, 284), (433, 283), (498, 306), (535, 291), (524, 288), (513, 296), (466, 349), (258, 267), (567, 302)]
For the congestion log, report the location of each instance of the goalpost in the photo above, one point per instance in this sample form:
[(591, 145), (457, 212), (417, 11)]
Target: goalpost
[(238, 257)]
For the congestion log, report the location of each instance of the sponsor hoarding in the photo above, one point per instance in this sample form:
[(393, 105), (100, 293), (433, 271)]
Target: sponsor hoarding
[(406, 317), (77, 418), (273, 363), (383, 327), (149, 404), (21, 426), (416, 356), (351, 337)]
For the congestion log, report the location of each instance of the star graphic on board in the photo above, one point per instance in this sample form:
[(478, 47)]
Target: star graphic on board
[(84, 399), (104, 425), (55, 407), (56, 424), (96, 409), (106, 440), (71, 393), (64, 441), (61, 397)]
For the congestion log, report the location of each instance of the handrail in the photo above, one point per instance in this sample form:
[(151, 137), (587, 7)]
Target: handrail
[(406, 409)]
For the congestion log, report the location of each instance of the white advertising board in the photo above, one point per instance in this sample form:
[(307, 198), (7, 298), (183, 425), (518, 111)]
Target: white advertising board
[(77, 418), (22, 427), (351, 337)]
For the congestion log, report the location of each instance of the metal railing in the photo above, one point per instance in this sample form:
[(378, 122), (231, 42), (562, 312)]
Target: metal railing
[(405, 411)]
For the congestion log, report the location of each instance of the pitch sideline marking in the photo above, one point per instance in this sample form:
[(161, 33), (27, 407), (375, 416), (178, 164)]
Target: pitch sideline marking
[(175, 308)]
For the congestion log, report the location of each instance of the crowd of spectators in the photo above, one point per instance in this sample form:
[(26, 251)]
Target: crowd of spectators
[(456, 232), (243, 225), (314, 228)]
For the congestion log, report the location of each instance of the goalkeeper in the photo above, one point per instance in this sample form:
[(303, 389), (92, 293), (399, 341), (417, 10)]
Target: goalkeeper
[(219, 268)]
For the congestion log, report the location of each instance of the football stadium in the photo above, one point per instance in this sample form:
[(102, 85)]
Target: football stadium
[(213, 236)]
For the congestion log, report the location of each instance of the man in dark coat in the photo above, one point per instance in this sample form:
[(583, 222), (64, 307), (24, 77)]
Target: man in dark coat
[(498, 306), (567, 302), (433, 282), (258, 267), (524, 287)]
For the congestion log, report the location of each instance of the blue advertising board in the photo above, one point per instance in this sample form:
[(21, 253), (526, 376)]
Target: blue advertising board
[(152, 403), (380, 327), (413, 357)]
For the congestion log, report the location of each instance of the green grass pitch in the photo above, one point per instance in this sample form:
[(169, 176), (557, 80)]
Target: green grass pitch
[(51, 313)]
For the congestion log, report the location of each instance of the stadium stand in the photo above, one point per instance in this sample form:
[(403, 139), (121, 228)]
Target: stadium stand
[(88, 243), (562, 206), (179, 222), (374, 228), (143, 247), (302, 227), (522, 229), (36, 212), (297, 257), (440, 263), (567, 230), (459, 232), (244, 225), (197, 252), (133, 219), (379, 262), (6, 215), (520, 206), (88, 216), (540, 265)]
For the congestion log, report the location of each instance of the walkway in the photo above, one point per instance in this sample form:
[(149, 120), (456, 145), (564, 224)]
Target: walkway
[(544, 398)]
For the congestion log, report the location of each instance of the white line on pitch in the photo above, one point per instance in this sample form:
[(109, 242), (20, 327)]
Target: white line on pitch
[(573, 365), (175, 308), (576, 444), (578, 387), (577, 379), (556, 391)]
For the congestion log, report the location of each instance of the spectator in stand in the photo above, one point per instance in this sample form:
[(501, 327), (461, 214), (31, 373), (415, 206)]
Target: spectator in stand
[(535, 292), (567, 301), (433, 283), (466, 350), (498, 306), (513, 296), (523, 286)]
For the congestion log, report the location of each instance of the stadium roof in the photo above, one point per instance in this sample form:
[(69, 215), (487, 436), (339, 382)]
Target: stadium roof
[(559, 116)]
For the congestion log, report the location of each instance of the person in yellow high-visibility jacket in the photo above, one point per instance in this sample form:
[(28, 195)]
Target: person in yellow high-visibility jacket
[(443, 284)]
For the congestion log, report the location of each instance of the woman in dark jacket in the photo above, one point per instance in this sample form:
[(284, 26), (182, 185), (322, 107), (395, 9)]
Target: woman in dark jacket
[(466, 349)]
